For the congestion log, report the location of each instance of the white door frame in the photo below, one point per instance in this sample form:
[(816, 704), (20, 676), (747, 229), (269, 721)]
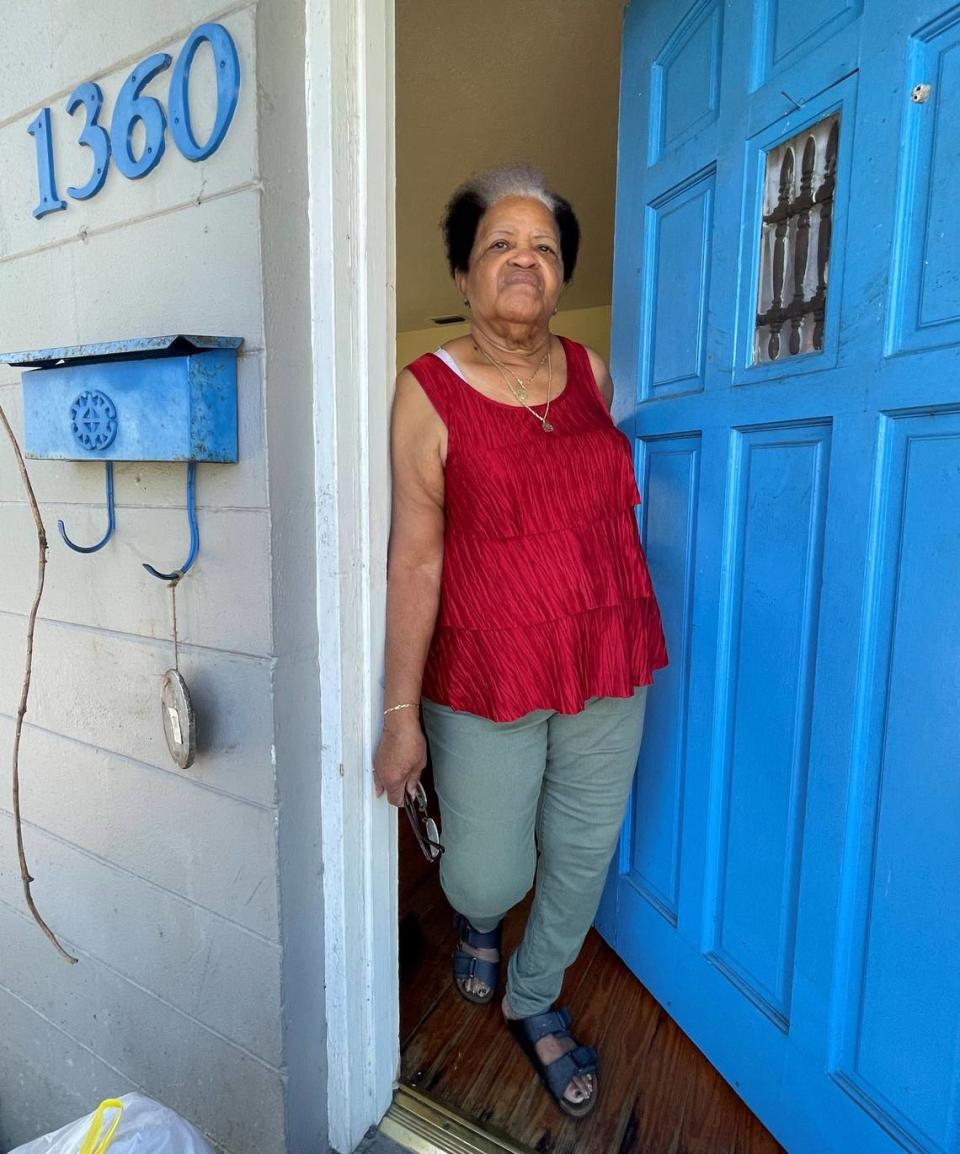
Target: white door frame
[(350, 129)]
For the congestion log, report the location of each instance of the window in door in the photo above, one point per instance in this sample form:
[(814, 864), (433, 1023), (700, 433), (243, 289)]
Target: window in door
[(800, 179)]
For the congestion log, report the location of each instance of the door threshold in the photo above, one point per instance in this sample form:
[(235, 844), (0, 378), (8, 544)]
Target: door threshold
[(427, 1127)]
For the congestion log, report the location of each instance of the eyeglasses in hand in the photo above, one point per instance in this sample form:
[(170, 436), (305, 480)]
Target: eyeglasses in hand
[(424, 827)]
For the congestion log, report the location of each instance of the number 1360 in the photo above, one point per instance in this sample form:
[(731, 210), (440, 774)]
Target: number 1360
[(132, 106)]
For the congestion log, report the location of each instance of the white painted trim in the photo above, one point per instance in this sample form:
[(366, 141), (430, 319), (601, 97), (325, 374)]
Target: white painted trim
[(350, 125)]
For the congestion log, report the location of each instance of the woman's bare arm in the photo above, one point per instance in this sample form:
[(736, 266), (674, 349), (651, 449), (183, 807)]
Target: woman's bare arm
[(413, 581)]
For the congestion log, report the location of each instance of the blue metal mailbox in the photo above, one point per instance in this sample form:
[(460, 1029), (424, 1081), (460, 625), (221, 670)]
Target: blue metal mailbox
[(171, 398), (168, 398)]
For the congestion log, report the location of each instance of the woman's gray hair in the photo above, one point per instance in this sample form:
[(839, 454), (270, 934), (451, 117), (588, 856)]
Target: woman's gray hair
[(472, 199), (514, 180)]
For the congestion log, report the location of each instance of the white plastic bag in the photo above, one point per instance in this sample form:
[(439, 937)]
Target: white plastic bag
[(132, 1124)]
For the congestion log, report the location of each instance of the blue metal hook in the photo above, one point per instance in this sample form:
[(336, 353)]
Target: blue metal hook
[(194, 531), (111, 519)]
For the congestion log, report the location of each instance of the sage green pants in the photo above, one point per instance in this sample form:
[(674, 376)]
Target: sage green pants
[(549, 782)]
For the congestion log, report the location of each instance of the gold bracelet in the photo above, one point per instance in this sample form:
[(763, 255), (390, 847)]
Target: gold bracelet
[(405, 705)]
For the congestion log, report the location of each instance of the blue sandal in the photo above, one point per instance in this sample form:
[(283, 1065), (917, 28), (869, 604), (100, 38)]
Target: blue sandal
[(466, 966), (558, 1075)]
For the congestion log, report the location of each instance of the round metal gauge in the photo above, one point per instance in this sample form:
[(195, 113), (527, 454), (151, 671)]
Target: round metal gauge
[(179, 720)]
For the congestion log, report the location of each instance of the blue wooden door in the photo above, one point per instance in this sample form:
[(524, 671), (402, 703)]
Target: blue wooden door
[(787, 352)]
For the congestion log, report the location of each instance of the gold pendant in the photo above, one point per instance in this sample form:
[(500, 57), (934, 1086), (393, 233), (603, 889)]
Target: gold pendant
[(521, 391), (547, 427)]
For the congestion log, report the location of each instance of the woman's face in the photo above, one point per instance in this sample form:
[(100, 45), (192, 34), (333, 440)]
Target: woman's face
[(515, 273)]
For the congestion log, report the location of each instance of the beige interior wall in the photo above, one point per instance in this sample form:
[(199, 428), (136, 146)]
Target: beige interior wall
[(467, 100), (588, 326)]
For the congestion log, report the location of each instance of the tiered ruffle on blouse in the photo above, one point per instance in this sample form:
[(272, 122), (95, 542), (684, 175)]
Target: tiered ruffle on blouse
[(546, 600)]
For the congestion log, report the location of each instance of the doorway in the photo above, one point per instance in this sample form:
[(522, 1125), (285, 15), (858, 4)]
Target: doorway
[(478, 87), (659, 1093), (898, 436)]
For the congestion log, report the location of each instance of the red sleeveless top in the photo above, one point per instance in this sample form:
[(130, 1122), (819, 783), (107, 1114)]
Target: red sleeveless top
[(545, 599)]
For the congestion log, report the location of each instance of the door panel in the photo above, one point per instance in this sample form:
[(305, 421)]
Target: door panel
[(925, 304), (767, 648), (679, 228), (651, 846), (787, 880), (685, 81), (788, 33), (898, 1006)]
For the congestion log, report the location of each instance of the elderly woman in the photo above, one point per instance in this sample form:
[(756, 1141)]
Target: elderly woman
[(521, 623)]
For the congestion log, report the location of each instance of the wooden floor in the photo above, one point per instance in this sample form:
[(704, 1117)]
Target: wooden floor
[(659, 1095)]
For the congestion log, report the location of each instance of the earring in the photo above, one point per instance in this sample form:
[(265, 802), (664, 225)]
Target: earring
[(466, 302)]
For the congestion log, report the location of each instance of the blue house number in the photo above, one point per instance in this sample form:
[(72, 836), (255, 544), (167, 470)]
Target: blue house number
[(131, 106)]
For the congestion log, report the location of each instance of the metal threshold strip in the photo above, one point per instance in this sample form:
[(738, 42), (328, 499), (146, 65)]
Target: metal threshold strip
[(427, 1127)]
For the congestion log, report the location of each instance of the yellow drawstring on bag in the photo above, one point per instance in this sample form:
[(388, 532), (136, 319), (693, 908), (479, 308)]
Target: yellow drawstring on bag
[(92, 1143)]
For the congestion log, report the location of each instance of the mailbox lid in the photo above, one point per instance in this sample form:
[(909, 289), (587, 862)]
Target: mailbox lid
[(166, 408), (173, 343)]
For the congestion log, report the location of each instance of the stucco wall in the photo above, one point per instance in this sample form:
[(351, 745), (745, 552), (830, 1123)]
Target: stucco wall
[(169, 884)]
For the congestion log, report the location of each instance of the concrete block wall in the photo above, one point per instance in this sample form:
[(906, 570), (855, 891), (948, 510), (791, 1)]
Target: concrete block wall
[(170, 885)]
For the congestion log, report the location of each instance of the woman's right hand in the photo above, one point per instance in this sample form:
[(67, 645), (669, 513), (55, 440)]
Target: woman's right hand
[(400, 758)]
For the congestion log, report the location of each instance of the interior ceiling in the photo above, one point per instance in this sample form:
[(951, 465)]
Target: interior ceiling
[(503, 82)]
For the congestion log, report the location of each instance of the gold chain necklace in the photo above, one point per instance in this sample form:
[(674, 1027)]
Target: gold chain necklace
[(544, 423), (521, 390)]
